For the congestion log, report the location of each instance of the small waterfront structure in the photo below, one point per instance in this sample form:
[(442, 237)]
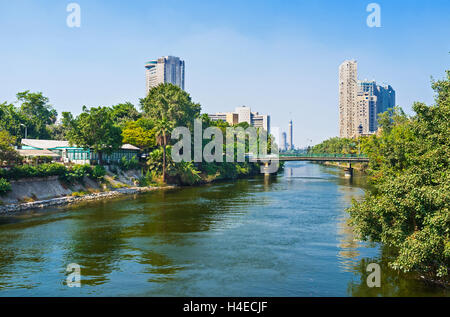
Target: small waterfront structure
[(73, 153)]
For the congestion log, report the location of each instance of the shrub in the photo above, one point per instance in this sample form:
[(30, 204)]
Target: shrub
[(43, 170), (77, 172), (148, 179), (5, 186), (126, 165), (42, 159), (79, 194), (98, 172), (186, 172)]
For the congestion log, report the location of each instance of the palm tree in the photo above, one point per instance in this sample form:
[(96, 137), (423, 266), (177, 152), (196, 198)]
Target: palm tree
[(163, 129)]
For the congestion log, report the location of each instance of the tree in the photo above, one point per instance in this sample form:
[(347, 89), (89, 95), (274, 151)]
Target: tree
[(171, 103), (37, 113), (94, 129), (336, 145), (139, 133), (408, 208), (124, 112), (163, 129), (10, 120), (56, 132), (7, 151)]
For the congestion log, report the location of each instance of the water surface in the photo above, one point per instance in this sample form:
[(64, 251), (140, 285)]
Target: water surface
[(287, 236)]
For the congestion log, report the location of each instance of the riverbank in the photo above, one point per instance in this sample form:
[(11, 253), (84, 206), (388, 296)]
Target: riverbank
[(69, 200), (45, 192), (362, 167)]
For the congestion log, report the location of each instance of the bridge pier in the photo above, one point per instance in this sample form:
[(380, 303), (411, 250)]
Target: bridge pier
[(348, 171), (266, 168)]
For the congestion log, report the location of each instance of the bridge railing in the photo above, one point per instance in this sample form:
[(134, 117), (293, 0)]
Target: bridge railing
[(336, 155)]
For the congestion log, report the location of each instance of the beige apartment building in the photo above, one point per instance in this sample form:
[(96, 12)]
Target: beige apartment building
[(365, 115), (230, 117), (348, 88)]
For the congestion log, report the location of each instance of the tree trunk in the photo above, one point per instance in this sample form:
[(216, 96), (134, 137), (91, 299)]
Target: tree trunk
[(100, 158), (164, 158)]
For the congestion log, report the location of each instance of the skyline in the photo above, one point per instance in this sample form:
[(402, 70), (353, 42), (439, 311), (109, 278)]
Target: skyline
[(282, 61)]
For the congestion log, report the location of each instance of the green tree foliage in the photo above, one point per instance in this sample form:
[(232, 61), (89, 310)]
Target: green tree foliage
[(7, 152), (186, 172), (408, 209), (163, 128), (124, 112), (171, 103), (37, 113), (5, 186), (336, 145), (56, 132), (140, 133), (94, 129), (126, 165), (10, 120)]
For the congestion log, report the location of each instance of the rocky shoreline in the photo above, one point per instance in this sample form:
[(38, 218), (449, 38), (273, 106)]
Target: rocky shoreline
[(69, 200)]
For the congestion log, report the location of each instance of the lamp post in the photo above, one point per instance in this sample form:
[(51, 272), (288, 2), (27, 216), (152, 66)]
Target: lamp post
[(26, 129)]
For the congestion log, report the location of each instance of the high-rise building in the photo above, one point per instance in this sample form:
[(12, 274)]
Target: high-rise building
[(291, 137), (360, 102), (386, 98), (365, 116), (366, 108), (284, 145), (244, 114), (166, 69), (348, 87)]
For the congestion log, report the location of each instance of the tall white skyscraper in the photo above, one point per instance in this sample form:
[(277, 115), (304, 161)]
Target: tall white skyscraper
[(348, 88), (166, 69)]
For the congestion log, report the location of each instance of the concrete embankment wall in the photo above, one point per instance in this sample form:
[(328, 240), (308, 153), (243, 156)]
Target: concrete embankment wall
[(29, 189), (30, 193)]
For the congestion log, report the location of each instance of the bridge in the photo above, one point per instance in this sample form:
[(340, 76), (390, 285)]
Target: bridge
[(321, 157)]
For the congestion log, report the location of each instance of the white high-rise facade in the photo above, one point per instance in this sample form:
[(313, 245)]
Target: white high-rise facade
[(166, 69), (348, 88)]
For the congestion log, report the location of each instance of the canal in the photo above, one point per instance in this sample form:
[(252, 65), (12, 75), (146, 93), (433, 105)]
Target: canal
[(287, 236)]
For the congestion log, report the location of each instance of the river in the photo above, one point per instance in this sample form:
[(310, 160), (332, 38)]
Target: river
[(284, 236)]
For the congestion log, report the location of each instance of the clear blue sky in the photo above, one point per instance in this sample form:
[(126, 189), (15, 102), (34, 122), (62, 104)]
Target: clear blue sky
[(278, 57)]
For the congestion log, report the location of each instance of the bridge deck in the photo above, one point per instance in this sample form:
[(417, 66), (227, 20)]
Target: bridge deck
[(356, 159)]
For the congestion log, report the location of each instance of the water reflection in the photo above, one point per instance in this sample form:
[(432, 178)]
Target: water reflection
[(284, 235), (393, 283)]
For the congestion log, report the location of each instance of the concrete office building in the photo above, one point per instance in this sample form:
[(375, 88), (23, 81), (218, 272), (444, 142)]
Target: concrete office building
[(166, 69)]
